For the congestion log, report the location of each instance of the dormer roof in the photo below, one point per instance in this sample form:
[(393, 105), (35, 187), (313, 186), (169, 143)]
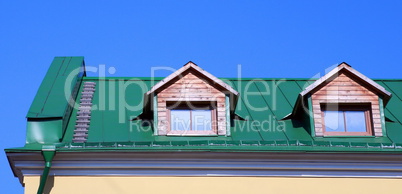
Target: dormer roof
[(187, 67), (342, 68)]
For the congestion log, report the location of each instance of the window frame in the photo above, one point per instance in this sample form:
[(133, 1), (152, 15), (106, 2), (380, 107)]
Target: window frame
[(366, 108), (192, 105)]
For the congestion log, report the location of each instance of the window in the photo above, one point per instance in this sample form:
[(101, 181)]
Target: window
[(191, 118), (347, 120)]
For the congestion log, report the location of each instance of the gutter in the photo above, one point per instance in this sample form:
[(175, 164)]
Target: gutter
[(48, 153)]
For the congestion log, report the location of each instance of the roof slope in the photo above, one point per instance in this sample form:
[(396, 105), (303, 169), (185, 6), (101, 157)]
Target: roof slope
[(261, 102), (114, 129), (51, 94)]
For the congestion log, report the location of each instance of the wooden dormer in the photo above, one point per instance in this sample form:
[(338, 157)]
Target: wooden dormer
[(191, 93), (346, 103)]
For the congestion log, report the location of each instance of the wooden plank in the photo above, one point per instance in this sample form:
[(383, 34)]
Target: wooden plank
[(220, 109), (365, 97), (162, 108), (375, 117), (316, 107), (161, 100), (209, 93), (343, 101), (317, 114), (192, 81), (344, 83), (377, 112), (162, 119), (315, 102), (221, 113), (161, 104), (191, 75), (377, 126), (221, 119), (375, 107), (345, 92), (377, 121), (317, 125), (341, 88), (162, 114), (351, 73), (219, 99), (162, 95), (189, 85), (343, 76), (222, 124), (318, 120), (200, 73), (190, 90)]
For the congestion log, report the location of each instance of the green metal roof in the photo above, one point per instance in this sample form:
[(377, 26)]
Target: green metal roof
[(51, 92), (112, 127)]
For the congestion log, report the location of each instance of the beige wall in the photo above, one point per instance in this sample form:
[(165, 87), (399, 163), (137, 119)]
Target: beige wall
[(208, 185)]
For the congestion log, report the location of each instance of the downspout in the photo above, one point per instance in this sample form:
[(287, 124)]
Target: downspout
[(48, 155)]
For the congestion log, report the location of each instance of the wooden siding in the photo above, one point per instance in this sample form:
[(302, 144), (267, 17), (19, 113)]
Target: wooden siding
[(344, 89), (191, 88)]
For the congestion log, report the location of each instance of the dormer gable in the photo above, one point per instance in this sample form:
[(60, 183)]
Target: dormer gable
[(344, 102), (196, 70), (192, 101), (345, 70)]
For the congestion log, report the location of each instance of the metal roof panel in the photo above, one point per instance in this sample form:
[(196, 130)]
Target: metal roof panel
[(50, 100)]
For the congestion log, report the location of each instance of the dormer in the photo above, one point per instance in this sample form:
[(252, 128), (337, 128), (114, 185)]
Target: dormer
[(193, 102), (346, 103)]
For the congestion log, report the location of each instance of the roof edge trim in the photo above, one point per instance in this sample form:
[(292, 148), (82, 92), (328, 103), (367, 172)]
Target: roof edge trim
[(345, 66), (197, 68)]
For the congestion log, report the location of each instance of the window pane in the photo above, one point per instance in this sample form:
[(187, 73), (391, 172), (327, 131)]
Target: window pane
[(180, 119), (355, 121), (201, 120), (334, 121)]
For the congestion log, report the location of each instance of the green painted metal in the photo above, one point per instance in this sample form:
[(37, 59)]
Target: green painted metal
[(303, 84), (330, 145), (290, 90), (105, 126), (394, 87), (311, 116), (48, 157), (227, 103), (274, 98), (260, 101), (395, 102), (44, 131), (381, 104), (155, 109), (51, 108), (50, 100)]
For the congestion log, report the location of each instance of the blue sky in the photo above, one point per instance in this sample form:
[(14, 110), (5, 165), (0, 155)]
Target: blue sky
[(280, 39)]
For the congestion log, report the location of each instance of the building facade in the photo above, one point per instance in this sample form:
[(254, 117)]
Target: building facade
[(192, 132)]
